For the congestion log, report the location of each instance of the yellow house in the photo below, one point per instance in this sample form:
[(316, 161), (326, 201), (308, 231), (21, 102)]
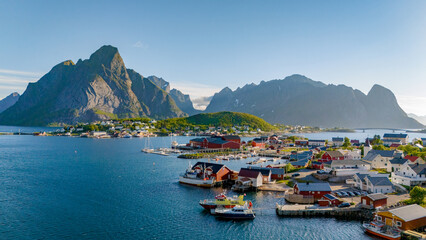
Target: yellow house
[(406, 218)]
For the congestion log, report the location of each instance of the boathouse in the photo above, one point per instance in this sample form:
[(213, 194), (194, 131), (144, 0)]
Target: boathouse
[(276, 173), (249, 176), (406, 218), (317, 190), (266, 173), (374, 200), (329, 200)]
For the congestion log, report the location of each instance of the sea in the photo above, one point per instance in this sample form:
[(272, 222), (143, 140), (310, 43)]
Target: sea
[(82, 188)]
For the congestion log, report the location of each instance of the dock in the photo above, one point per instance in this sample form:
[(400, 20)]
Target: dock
[(309, 211)]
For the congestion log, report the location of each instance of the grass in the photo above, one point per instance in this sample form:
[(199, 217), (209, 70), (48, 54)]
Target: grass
[(100, 112)]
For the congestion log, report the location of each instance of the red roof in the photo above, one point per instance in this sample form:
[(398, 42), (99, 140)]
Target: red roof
[(248, 173), (411, 158)]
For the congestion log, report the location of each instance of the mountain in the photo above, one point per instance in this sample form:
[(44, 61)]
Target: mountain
[(8, 101), (298, 100), (97, 88), (183, 101), (161, 83), (220, 119), (420, 119)]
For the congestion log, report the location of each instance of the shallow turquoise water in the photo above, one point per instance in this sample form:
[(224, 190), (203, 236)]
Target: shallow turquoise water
[(79, 188)]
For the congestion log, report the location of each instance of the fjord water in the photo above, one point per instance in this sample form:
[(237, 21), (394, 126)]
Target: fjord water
[(79, 188)]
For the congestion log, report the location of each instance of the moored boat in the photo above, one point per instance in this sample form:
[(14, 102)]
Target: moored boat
[(236, 213), (381, 230), (191, 177), (222, 200)]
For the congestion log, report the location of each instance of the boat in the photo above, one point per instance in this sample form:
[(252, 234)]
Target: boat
[(162, 152), (127, 135), (222, 200), (191, 177), (236, 213), (381, 230), (148, 148)]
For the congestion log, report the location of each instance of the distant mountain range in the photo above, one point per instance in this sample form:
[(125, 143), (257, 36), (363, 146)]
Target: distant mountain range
[(8, 101), (298, 100), (101, 87), (420, 119)]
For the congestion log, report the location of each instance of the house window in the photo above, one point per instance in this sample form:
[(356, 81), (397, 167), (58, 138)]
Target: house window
[(398, 223)]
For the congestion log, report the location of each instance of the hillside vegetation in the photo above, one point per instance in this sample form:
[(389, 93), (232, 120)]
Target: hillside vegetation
[(219, 119)]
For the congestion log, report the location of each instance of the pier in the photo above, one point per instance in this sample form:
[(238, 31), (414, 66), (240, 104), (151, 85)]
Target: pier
[(352, 213)]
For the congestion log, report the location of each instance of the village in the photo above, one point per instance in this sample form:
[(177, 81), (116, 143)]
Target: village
[(374, 180)]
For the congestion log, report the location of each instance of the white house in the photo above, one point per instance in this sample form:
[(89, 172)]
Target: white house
[(380, 159), (403, 137), (410, 174), (378, 184), (250, 177), (337, 141), (368, 182), (351, 154)]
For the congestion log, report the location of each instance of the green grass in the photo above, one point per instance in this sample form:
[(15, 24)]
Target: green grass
[(100, 112)]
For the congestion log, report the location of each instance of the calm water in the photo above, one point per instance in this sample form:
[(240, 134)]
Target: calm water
[(79, 188)]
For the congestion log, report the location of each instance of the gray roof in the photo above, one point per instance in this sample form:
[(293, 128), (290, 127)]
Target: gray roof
[(379, 181), (263, 171), (409, 213), (376, 196), (419, 168), (398, 160), (374, 153), (348, 162), (321, 187), (337, 139)]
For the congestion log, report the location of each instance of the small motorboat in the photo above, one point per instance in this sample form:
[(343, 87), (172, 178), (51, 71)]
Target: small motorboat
[(236, 213), (381, 230)]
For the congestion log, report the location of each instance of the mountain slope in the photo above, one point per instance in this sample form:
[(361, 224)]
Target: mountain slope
[(94, 89), (183, 101), (298, 100), (8, 101), (420, 119)]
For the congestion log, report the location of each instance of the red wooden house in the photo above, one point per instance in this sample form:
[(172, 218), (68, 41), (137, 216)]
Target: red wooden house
[(213, 143), (374, 200), (317, 165), (331, 155), (317, 190), (232, 138), (258, 143)]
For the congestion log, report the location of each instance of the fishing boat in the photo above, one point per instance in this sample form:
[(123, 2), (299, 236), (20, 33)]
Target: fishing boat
[(148, 148), (236, 213), (191, 177), (222, 200), (381, 230)]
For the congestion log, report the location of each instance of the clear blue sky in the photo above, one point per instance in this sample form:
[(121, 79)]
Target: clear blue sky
[(203, 46)]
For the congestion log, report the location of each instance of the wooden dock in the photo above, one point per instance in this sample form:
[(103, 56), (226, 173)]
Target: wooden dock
[(295, 210)]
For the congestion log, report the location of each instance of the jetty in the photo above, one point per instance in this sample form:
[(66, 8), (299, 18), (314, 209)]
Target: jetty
[(309, 211)]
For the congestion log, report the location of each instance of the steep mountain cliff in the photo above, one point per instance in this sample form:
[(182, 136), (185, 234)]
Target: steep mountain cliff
[(183, 101), (97, 88), (8, 101), (298, 100)]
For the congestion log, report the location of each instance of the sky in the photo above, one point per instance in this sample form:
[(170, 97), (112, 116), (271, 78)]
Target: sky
[(201, 47)]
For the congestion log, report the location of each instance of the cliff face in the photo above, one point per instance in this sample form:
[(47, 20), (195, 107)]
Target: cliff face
[(298, 100), (94, 89), (8, 101)]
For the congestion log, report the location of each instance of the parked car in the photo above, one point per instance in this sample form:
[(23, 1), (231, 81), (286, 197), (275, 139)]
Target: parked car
[(357, 193), (351, 194), (364, 193), (321, 172), (343, 205), (339, 194), (295, 174), (344, 194)]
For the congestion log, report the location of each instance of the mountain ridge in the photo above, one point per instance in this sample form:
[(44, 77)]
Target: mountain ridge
[(298, 100)]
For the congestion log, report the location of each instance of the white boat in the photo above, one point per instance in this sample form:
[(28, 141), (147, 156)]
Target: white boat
[(236, 213), (127, 135), (163, 153), (191, 177), (148, 150)]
